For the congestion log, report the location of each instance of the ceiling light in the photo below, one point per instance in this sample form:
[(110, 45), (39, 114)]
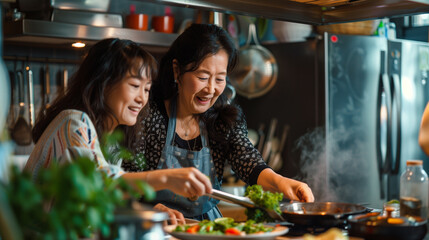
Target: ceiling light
[(78, 44)]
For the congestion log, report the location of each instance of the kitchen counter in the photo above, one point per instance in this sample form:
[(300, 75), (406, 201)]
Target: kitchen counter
[(236, 212), (301, 238), (286, 238)]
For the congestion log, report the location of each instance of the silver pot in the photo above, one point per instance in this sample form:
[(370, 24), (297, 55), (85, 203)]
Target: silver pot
[(138, 221)]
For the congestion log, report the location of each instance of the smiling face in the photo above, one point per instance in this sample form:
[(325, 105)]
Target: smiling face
[(199, 89), (126, 98)]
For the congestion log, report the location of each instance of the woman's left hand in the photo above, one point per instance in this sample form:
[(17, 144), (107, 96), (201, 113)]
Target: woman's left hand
[(292, 189), (175, 217)]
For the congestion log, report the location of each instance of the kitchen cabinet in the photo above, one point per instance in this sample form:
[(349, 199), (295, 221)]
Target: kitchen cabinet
[(309, 11), (304, 11)]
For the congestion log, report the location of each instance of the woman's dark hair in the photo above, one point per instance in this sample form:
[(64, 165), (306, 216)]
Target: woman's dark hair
[(105, 65), (192, 47)]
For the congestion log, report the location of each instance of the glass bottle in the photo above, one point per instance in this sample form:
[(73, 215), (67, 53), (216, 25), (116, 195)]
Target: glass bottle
[(392, 31), (414, 190)]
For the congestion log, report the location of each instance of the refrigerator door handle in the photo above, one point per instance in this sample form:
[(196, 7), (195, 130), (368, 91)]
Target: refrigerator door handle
[(383, 116), (397, 98), (388, 118)]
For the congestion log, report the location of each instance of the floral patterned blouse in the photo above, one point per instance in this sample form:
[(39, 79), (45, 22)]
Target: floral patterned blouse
[(69, 135), (243, 157)]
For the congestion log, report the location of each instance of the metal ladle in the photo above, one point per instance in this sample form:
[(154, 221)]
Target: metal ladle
[(21, 131), (243, 201)]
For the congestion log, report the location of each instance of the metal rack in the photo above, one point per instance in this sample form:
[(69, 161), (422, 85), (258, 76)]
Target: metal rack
[(56, 33), (40, 60)]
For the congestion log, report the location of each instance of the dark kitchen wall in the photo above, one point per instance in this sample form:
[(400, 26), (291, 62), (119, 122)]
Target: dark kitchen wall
[(295, 100)]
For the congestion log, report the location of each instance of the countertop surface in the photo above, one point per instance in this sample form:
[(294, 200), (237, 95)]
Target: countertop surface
[(238, 214), (287, 238)]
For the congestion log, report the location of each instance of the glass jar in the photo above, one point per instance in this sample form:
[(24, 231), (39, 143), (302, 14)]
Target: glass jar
[(414, 190), (391, 209)]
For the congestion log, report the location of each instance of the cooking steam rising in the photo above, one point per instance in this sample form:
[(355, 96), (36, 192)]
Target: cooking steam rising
[(332, 165)]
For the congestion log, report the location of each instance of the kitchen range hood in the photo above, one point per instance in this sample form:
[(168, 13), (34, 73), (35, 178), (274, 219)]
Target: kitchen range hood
[(315, 12)]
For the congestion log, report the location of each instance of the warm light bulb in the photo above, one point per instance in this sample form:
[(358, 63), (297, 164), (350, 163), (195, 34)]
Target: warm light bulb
[(78, 44)]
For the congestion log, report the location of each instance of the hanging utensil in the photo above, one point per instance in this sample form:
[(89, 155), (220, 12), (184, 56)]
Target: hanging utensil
[(10, 122), (65, 80), (256, 72), (29, 75), (21, 132), (229, 92), (276, 161), (243, 201), (14, 108), (267, 147), (261, 137), (47, 87)]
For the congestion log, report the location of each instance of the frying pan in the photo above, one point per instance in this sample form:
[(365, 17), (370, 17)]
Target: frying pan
[(373, 227), (256, 72), (320, 214)]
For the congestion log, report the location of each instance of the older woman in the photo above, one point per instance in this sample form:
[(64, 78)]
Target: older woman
[(191, 123), (109, 89)]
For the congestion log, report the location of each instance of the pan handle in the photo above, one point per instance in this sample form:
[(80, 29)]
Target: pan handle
[(252, 34)]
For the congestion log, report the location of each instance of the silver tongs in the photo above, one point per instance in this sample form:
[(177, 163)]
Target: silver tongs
[(243, 201)]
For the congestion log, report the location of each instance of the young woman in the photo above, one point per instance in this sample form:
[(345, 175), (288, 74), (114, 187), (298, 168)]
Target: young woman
[(191, 124), (110, 89)]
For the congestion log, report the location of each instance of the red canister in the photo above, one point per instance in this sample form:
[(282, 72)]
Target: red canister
[(163, 24), (137, 21)]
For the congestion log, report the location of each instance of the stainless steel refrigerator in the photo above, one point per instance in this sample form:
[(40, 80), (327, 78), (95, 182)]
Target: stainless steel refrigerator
[(354, 105)]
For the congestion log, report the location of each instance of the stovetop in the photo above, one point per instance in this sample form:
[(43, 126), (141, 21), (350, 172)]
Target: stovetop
[(299, 230)]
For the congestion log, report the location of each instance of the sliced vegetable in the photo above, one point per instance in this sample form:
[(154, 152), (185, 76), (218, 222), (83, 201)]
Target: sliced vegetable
[(224, 226), (233, 231), (193, 229)]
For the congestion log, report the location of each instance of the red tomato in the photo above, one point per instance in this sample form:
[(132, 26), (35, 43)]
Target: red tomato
[(193, 229), (209, 228), (232, 231)]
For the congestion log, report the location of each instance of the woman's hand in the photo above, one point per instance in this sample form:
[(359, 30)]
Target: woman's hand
[(174, 216), (295, 190), (188, 182), (292, 189)]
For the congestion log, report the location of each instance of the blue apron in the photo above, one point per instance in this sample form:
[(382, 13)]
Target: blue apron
[(174, 157)]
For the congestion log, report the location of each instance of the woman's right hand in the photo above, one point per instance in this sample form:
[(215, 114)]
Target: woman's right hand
[(188, 182)]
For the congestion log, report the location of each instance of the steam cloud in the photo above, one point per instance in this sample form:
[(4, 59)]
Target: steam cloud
[(334, 165)]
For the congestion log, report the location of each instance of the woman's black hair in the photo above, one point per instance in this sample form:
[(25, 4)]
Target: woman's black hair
[(105, 65), (196, 43)]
